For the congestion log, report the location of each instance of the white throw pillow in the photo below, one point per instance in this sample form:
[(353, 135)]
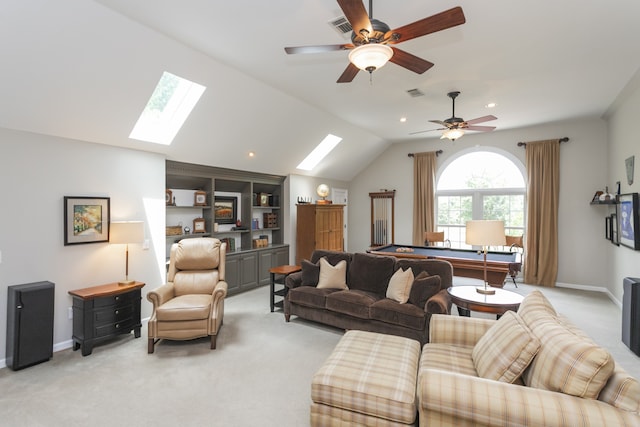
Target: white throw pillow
[(332, 276), (400, 285)]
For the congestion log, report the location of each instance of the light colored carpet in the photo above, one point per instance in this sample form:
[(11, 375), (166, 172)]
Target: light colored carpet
[(259, 375)]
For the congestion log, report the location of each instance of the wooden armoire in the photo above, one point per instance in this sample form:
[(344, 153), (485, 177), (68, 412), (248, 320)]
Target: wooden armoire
[(319, 227)]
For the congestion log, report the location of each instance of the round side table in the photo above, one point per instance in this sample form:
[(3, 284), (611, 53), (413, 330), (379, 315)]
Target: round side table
[(467, 299)]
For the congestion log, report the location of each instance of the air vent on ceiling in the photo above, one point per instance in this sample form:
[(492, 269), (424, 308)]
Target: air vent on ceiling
[(341, 25), (414, 93)]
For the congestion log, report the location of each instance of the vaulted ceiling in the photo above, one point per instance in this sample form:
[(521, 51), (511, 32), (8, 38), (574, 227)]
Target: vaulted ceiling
[(84, 70)]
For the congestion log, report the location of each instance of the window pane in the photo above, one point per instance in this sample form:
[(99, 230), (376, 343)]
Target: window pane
[(477, 179), (481, 170), (454, 210)]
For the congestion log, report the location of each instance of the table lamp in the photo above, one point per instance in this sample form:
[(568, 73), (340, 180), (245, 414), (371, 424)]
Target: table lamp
[(126, 232), (485, 233)]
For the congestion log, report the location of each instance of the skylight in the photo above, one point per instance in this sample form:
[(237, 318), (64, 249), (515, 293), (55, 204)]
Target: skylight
[(319, 153), (169, 106)]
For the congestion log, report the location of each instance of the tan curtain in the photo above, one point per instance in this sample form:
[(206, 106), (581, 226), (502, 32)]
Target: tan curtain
[(424, 189), (543, 172)]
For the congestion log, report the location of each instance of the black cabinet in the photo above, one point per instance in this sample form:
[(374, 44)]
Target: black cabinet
[(631, 314), (104, 311), (29, 324)]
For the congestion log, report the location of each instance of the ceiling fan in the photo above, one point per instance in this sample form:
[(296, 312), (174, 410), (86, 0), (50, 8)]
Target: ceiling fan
[(371, 38), (454, 127)]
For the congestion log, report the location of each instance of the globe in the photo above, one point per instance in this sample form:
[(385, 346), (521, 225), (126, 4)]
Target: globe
[(323, 190)]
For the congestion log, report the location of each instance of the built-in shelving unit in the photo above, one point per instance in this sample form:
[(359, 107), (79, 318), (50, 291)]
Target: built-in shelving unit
[(255, 248)]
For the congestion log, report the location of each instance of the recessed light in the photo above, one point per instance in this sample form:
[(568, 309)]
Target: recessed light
[(251, 154), (403, 119), (491, 105)]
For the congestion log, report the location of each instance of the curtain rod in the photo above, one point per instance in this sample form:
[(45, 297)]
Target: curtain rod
[(437, 153), (561, 140)]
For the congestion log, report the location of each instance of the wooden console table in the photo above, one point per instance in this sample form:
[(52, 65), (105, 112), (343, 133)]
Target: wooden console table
[(104, 311)]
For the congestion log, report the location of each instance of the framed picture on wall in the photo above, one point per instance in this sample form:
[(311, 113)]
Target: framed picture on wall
[(627, 213), (613, 229), (86, 220)]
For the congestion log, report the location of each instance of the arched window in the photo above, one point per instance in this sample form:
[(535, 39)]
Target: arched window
[(480, 185)]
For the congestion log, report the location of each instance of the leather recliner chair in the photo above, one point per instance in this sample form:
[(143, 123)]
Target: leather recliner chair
[(191, 304)]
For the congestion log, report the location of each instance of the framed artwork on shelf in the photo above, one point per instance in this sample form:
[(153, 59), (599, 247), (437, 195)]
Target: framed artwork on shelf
[(86, 219), (225, 210), (198, 225), (200, 198), (627, 215)]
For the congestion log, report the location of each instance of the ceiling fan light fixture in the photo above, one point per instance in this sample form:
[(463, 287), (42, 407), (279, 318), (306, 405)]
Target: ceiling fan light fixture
[(370, 57), (452, 134)]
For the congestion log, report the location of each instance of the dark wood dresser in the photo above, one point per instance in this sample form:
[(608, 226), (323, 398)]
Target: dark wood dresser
[(104, 311)]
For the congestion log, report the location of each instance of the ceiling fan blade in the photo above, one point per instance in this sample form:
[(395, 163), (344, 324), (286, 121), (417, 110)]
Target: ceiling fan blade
[(438, 22), (481, 119), (349, 74), (409, 61), (318, 48), (480, 128), (440, 122), (428, 130), (356, 14)]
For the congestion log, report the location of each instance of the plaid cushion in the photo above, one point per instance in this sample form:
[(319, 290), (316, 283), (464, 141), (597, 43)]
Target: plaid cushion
[(505, 350), (372, 374), (622, 391), (448, 358), (457, 330), (536, 308), (451, 399), (323, 416), (566, 362)]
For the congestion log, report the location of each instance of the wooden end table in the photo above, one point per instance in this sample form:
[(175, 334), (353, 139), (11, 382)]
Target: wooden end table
[(284, 271), (468, 299)]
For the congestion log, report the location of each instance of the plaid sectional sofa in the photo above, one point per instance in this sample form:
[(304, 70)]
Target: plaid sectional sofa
[(530, 368)]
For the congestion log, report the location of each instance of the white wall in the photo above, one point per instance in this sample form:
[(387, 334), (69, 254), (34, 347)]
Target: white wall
[(582, 247), (623, 143), (36, 172)]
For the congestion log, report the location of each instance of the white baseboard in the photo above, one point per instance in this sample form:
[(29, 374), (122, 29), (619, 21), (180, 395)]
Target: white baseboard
[(591, 289)]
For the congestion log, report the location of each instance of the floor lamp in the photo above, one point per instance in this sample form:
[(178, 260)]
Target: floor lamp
[(485, 233), (126, 232)]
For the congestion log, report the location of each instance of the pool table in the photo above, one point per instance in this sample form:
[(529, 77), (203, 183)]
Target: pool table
[(465, 262)]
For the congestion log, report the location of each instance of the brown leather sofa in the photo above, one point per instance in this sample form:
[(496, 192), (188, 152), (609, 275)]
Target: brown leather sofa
[(364, 306)]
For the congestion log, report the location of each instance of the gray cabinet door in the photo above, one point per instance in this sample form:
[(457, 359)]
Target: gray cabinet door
[(248, 270), (232, 273)]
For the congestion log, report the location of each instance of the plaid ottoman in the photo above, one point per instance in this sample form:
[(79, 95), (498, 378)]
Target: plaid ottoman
[(369, 380)]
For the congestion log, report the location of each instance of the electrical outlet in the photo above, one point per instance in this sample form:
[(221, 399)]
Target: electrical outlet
[(145, 245), (70, 313)]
